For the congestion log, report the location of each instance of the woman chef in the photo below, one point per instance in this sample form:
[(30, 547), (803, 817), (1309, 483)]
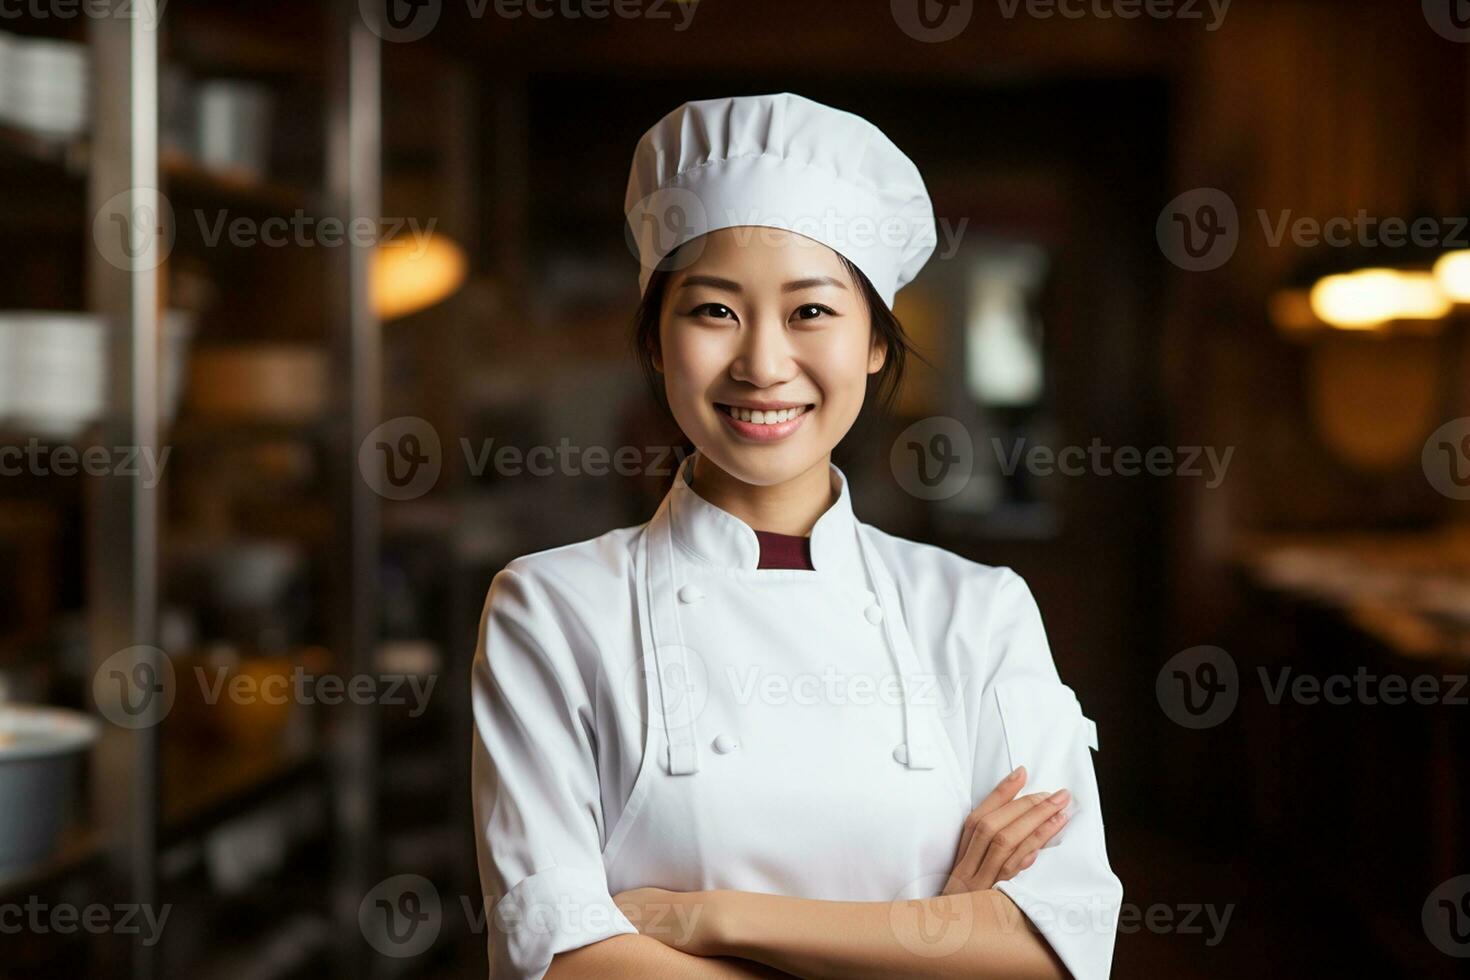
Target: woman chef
[(755, 736)]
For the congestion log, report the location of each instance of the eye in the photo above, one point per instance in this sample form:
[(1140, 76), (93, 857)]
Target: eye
[(715, 311), (811, 311)]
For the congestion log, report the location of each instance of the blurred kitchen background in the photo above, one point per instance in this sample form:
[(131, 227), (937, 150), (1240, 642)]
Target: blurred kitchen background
[(1123, 262)]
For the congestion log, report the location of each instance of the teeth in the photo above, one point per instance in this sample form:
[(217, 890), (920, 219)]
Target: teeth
[(771, 417)]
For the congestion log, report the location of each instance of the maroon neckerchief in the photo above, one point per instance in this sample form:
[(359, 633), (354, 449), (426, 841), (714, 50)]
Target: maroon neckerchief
[(785, 550)]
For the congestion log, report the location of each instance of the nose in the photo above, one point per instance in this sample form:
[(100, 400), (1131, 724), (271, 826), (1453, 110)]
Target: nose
[(764, 357)]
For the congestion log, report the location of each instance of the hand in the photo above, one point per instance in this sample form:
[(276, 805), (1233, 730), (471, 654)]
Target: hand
[(673, 918), (1002, 836)]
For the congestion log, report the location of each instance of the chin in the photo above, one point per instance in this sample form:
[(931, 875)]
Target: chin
[(760, 466)]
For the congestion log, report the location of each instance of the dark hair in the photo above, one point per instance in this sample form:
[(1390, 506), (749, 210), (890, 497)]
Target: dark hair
[(883, 386)]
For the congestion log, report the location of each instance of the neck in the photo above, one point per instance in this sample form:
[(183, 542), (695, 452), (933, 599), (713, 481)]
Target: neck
[(791, 507)]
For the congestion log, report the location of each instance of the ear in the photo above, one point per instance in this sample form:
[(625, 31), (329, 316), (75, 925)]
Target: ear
[(877, 353)]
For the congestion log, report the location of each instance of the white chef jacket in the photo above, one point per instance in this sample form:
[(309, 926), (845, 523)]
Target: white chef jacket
[(565, 748)]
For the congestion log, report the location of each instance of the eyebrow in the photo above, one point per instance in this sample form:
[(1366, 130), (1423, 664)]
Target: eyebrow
[(730, 285)]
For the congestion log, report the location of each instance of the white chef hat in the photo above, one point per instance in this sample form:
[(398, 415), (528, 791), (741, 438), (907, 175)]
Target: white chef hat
[(780, 161)]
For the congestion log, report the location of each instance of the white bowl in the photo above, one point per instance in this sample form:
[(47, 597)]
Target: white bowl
[(41, 752)]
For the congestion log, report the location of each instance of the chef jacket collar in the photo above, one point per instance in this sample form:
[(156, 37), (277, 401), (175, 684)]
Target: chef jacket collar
[(716, 536)]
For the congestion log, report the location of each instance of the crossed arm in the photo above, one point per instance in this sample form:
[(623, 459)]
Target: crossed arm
[(970, 930), (979, 934)]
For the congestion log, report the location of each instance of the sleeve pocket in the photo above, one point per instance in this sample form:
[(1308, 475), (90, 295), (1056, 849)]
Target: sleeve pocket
[(1046, 732)]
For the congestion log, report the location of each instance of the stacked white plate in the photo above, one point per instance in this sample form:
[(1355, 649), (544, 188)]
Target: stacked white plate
[(53, 370), (234, 126), (43, 85), (57, 367)]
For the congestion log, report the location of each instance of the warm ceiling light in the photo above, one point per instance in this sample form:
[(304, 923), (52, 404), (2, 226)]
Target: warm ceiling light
[(1420, 298), (1452, 272), (1369, 298), (413, 274)]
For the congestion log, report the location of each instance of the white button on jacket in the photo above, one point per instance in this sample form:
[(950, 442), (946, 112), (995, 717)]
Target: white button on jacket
[(651, 708)]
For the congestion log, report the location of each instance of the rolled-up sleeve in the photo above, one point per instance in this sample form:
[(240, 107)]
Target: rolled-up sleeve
[(1027, 716), (537, 801)]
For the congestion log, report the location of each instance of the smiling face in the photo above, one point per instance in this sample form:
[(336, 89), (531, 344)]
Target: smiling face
[(766, 347)]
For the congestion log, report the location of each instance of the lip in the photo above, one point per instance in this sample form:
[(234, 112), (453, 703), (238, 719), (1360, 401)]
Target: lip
[(760, 432), (766, 406)]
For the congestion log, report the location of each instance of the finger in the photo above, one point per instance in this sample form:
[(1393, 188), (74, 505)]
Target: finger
[(1004, 844), (1026, 852), (1003, 792), (998, 797), (988, 826)]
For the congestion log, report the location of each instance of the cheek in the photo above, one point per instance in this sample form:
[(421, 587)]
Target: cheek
[(841, 371), (689, 369)]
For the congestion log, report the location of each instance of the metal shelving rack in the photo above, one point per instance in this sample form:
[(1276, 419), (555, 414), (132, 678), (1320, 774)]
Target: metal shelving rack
[(354, 182), (124, 536), (123, 581)]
